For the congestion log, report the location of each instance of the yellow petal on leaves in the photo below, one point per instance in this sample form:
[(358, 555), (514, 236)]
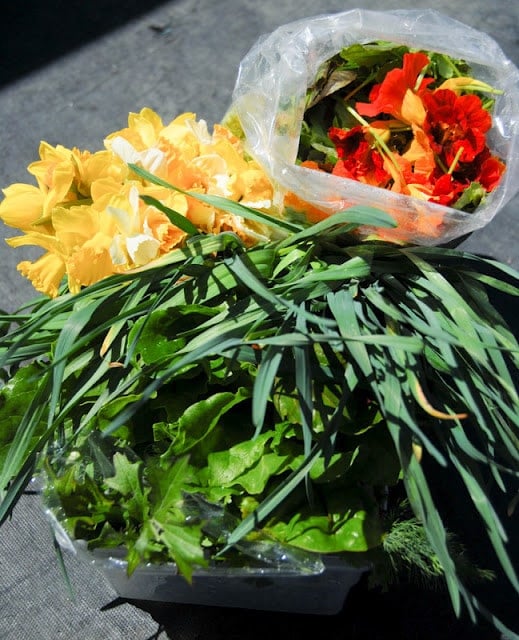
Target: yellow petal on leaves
[(417, 451)]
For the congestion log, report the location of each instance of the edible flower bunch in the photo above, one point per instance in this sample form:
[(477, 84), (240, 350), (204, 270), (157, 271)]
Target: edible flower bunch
[(399, 124), (427, 115), (211, 374), (93, 218)]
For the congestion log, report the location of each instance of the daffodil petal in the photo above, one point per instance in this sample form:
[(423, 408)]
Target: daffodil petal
[(45, 273), (150, 159), (123, 219), (142, 248), (90, 264)]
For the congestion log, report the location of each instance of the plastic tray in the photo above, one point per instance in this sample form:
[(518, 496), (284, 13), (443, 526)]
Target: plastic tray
[(268, 589)]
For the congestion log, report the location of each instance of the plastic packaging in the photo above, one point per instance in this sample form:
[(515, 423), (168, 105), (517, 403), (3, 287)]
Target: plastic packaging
[(260, 553), (298, 583), (267, 588), (269, 101)]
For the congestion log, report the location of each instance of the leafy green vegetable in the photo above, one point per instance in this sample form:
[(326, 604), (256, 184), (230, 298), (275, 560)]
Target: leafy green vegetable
[(288, 393)]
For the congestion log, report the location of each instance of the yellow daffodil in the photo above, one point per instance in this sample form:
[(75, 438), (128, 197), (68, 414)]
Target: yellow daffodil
[(185, 154), (92, 167), (54, 172), (84, 237), (133, 243), (87, 213), (142, 131), (45, 273)]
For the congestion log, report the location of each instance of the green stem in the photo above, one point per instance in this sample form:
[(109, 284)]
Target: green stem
[(455, 161), (378, 140)]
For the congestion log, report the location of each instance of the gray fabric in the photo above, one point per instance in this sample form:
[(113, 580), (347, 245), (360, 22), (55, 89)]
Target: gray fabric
[(183, 55), (35, 601)]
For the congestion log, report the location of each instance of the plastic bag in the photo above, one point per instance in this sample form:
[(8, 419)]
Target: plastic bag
[(269, 102)]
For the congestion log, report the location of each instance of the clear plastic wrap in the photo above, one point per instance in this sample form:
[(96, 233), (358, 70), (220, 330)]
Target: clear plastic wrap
[(269, 102)]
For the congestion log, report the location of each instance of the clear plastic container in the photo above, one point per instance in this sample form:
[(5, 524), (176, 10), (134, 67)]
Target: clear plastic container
[(267, 588)]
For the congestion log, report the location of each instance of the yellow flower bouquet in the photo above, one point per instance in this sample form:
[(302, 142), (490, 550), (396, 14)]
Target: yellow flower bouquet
[(93, 220), (210, 378)]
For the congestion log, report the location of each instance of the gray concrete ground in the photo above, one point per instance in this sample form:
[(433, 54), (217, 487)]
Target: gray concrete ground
[(182, 55)]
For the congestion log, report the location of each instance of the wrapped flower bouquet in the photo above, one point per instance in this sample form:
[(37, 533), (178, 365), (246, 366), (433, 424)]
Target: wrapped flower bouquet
[(340, 70), (244, 352)]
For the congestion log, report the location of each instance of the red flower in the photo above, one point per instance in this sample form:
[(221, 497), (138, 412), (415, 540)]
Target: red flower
[(456, 125), (357, 159), (447, 190), (432, 148), (398, 94), (486, 169), (490, 174)]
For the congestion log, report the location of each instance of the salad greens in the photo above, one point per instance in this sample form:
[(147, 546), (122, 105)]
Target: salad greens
[(225, 402)]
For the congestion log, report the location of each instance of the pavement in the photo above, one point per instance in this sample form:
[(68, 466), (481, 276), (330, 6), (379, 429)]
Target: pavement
[(69, 74)]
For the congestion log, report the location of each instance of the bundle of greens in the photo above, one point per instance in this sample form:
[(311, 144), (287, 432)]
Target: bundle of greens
[(226, 402)]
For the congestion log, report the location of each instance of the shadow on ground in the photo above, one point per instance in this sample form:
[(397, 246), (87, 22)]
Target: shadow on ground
[(367, 615), (36, 33)]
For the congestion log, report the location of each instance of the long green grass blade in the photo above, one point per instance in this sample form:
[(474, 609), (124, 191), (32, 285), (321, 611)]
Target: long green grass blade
[(175, 217)]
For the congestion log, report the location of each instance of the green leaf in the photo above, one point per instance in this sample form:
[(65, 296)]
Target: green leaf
[(348, 525), (67, 340), (471, 197), (350, 218), (249, 464), (199, 420), (128, 482), (372, 54), (23, 444), (183, 544), (175, 218), (158, 336), (15, 397), (168, 483), (168, 521)]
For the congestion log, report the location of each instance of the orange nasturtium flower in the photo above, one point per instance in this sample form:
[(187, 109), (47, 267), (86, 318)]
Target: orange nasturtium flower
[(86, 212), (398, 94), (448, 148)]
